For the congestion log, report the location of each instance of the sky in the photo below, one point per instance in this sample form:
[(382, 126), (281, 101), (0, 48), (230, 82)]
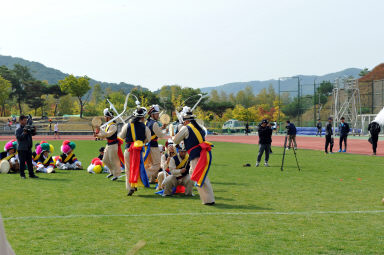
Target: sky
[(194, 43)]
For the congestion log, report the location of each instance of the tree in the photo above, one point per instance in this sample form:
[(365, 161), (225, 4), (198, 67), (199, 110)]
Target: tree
[(245, 97), (97, 94), (214, 96), (228, 114), (240, 113), (23, 75), (223, 96), (57, 93), (66, 105), (5, 91), (77, 87), (217, 108), (364, 72), (324, 91), (33, 94)]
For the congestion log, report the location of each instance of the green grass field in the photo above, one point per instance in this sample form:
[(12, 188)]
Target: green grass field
[(333, 206)]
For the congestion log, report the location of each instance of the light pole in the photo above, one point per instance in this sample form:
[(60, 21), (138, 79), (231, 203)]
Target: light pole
[(314, 102)]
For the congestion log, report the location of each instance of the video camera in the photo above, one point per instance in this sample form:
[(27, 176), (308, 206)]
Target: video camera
[(29, 128)]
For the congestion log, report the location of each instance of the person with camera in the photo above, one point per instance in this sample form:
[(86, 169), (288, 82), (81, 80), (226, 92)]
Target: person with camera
[(291, 132), (374, 130), (24, 135), (265, 140)]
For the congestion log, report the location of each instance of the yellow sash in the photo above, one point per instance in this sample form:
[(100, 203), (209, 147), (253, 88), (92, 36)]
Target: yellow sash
[(197, 133), (37, 157), (9, 157), (46, 160), (108, 126), (183, 162), (68, 157)]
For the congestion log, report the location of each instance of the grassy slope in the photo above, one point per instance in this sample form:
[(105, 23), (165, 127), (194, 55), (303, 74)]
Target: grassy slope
[(242, 190)]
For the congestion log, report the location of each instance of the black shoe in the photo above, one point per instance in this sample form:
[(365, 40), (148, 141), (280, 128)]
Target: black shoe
[(109, 175), (34, 176), (135, 189), (114, 178), (23, 177), (212, 203), (131, 192)]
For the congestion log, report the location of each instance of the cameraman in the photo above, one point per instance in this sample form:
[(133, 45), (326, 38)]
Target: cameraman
[(24, 135), (291, 132)]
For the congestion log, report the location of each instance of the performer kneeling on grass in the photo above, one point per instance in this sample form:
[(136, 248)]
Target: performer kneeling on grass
[(136, 134), (265, 140), (68, 160), (10, 155), (36, 155), (179, 168), (45, 163), (170, 152), (112, 152), (199, 155)]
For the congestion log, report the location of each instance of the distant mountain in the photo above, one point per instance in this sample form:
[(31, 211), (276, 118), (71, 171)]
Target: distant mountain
[(41, 72), (286, 84)]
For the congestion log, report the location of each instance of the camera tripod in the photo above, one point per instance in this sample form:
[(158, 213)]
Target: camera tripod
[(294, 152)]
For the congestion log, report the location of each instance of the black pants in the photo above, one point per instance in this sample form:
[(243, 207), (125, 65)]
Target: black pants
[(25, 157), (318, 132), (375, 138), (328, 141), (343, 138), (264, 148)]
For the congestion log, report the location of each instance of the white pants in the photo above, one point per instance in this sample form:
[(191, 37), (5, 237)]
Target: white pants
[(111, 159), (206, 191), (172, 182), (67, 166), (154, 164), (42, 169), (160, 179)]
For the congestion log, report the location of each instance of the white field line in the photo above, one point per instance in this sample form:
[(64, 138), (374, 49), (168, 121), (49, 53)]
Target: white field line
[(191, 214)]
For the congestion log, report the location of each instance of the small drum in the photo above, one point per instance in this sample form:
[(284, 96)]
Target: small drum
[(165, 119), (4, 167)]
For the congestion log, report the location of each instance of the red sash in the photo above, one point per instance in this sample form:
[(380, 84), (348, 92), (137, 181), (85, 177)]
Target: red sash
[(134, 164)]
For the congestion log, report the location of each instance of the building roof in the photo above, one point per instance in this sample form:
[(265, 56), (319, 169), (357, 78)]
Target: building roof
[(377, 73)]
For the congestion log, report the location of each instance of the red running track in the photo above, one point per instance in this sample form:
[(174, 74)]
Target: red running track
[(356, 146)]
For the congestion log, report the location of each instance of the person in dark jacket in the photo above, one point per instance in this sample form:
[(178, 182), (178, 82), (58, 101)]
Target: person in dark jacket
[(265, 140), (329, 136), (24, 141), (343, 130), (319, 127), (291, 132), (374, 129), (246, 128)]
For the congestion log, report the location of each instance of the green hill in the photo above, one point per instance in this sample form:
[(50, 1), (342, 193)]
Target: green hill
[(41, 72)]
